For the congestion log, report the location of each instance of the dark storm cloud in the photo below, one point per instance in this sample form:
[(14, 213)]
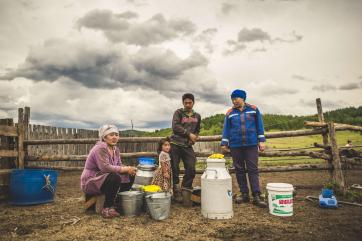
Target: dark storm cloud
[(248, 36), (350, 86), (302, 78), (165, 65), (107, 67), (255, 34), (128, 15), (104, 20), (233, 47), (7, 102), (88, 65), (63, 120), (324, 87), (118, 28), (292, 39), (226, 8), (206, 37)]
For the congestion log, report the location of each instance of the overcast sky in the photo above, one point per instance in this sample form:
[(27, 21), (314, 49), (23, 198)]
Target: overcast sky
[(88, 62)]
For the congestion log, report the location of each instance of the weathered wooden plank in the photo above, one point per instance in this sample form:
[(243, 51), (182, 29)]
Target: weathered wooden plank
[(5, 171), (8, 130), (76, 147), (54, 135), (8, 149), (8, 153), (63, 132), (156, 139), (21, 137), (36, 135), (337, 126), (337, 167), (309, 167), (48, 136), (154, 154), (69, 147)]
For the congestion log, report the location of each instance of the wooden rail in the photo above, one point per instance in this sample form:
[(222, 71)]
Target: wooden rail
[(268, 135), (304, 167), (8, 131), (337, 126), (50, 158), (8, 153)]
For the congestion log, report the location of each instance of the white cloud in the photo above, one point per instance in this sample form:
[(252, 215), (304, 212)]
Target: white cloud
[(112, 57)]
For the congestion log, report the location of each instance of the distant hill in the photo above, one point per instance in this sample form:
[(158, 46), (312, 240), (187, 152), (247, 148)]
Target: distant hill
[(213, 125)]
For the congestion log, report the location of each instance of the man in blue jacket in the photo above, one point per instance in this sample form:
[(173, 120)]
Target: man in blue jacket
[(242, 136)]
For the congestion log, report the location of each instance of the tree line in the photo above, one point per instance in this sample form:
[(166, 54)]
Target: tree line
[(213, 125)]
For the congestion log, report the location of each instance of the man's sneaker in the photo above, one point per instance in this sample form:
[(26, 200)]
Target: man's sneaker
[(243, 198), (258, 202)]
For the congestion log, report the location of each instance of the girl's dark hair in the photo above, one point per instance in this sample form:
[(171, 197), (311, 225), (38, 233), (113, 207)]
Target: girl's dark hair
[(161, 142)]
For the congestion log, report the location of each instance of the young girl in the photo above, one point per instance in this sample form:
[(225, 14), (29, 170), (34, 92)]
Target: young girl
[(163, 175)]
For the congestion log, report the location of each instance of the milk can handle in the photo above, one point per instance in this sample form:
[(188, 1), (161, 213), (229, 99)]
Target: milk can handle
[(211, 170)]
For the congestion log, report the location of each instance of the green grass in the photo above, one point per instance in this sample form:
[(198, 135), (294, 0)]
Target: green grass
[(308, 141), (298, 142)]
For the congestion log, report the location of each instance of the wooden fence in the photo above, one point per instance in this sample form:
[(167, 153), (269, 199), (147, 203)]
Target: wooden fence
[(67, 148)]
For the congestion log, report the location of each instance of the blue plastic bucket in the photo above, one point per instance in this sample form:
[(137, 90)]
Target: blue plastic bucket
[(32, 186), (146, 161)]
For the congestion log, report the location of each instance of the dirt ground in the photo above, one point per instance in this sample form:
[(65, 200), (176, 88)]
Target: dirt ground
[(65, 219)]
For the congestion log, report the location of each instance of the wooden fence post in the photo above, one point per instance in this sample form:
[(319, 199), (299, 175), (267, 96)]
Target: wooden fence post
[(337, 167), (324, 135), (26, 130), (21, 136), (6, 143)]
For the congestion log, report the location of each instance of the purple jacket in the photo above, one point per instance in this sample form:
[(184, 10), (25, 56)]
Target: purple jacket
[(98, 165)]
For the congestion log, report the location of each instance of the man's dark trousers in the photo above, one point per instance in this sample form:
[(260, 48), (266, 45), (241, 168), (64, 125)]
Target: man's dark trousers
[(188, 157), (246, 157)]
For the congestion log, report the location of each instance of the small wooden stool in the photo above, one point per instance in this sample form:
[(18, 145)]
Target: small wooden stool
[(94, 203)]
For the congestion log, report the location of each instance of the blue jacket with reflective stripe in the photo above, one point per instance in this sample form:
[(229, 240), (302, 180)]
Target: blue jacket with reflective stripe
[(243, 128)]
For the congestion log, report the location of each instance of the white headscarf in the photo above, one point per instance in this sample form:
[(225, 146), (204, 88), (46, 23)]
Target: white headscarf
[(107, 129)]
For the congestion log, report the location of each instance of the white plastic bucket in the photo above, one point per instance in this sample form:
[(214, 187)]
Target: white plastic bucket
[(280, 199)]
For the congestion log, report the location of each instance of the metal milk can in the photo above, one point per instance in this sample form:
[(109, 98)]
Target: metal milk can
[(144, 174), (145, 171), (216, 190)]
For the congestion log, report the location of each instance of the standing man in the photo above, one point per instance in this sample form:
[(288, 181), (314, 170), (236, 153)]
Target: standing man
[(185, 131), (242, 136)]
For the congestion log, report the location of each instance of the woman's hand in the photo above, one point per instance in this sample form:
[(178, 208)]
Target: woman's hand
[(129, 170)]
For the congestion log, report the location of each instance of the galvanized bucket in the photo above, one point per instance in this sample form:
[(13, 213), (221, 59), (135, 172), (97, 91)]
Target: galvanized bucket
[(159, 205), (131, 202)]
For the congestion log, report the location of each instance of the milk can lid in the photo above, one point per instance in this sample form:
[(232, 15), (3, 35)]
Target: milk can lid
[(215, 160)]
